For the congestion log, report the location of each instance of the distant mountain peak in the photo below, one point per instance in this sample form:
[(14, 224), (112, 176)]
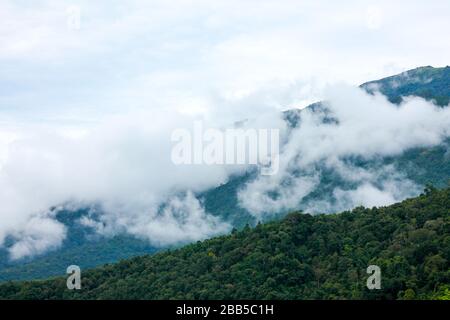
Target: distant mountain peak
[(427, 82)]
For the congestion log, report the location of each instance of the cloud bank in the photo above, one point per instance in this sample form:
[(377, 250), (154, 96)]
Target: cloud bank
[(122, 166), (362, 126)]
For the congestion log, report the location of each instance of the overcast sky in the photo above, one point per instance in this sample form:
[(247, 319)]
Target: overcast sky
[(202, 56)]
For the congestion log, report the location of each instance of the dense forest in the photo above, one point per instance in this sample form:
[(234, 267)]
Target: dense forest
[(299, 257)]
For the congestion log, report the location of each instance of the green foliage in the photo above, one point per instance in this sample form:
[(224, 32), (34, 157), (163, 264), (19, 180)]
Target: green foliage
[(300, 257), (443, 293)]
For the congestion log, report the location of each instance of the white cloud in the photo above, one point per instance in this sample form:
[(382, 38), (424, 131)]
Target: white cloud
[(123, 165), (39, 234), (369, 127), (181, 219), (267, 195)]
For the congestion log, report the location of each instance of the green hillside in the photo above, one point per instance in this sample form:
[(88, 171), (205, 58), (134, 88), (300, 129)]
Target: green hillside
[(300, 257)]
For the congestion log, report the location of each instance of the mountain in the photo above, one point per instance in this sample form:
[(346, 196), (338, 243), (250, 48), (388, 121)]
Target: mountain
[(299, 257), (420, 165), (429, 83)]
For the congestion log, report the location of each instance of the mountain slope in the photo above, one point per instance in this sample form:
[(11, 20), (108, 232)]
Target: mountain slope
[(300, 257), (420, 165), (427, 82)]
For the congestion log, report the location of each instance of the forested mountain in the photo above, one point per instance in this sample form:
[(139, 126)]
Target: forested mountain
[(427, 82), (300, 257), (420, 165)]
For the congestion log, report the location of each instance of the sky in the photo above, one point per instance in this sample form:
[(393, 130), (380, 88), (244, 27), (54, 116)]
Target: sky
[(73, 62), (90, 92)]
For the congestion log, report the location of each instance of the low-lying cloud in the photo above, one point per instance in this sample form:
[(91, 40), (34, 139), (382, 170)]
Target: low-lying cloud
[(357, 125), (123, 166)]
